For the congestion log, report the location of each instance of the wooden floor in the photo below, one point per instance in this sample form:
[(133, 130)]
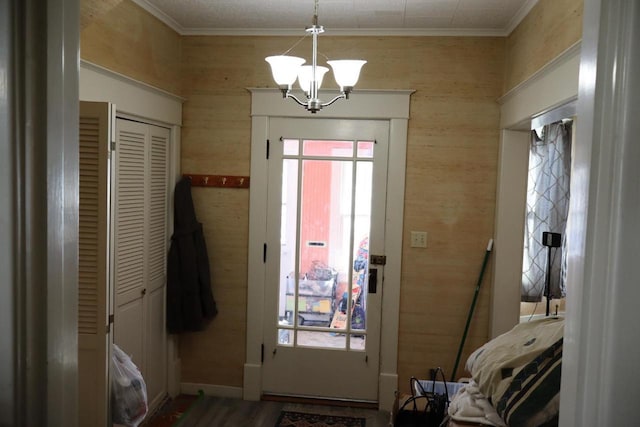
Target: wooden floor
[(226, 412)]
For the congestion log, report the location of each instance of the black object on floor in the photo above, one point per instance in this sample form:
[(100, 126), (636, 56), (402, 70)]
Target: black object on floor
[(299, 419)]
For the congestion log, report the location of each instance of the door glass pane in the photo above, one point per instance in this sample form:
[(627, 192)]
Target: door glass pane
[(324, 239), (285, 337), (362, 225), (322, 339), (365, 149), (291, 147), (326, 210), (288, 217), (357, 342), (328, 148)]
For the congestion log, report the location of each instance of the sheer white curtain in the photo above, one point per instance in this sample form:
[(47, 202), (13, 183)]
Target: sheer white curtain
[(547, 209)]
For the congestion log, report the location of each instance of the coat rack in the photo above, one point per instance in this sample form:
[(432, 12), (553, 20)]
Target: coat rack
[(223, 181)]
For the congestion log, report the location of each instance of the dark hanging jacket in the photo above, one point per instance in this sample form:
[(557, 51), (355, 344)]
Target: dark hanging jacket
[(190, 303)]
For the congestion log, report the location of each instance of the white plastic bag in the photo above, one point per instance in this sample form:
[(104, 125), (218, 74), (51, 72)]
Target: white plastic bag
[(128, 390)]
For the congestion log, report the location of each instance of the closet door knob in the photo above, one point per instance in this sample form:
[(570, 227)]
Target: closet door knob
[(143, 291)]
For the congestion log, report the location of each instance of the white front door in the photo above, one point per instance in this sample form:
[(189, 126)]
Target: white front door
[(325, 222)]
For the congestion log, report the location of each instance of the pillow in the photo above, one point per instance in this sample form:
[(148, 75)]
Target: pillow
[(519, 372)]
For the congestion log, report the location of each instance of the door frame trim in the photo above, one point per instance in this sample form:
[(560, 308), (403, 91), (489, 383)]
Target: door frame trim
[(391, 105)]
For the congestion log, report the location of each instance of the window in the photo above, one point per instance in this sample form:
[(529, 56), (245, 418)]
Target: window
[(547, 210)]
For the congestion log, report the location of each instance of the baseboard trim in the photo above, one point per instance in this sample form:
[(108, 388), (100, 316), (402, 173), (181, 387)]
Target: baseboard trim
[(211, 390)]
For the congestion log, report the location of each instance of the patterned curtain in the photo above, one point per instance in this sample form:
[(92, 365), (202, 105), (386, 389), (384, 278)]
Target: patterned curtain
[(547, 210)]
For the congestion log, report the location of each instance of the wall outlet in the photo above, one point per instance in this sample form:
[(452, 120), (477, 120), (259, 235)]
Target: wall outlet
[(418, 239)]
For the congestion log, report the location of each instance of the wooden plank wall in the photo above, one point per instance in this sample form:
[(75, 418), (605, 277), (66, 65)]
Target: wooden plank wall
[(123, 37), (550, 28)]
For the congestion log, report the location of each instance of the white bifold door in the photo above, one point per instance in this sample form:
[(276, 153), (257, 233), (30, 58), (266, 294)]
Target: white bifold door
[(140, 249), (94, 291), (122, 254)]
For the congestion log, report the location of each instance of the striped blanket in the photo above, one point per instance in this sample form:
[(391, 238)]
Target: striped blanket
[(519, 372)]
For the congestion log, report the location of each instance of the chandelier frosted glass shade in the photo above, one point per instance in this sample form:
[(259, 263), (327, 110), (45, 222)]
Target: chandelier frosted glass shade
[(346, 71), (305, 76), (284, 68)]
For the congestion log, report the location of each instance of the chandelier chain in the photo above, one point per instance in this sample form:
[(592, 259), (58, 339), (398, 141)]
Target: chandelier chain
[(315, 13)]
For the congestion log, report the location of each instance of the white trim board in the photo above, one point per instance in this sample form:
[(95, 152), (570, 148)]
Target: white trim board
[(129, 95), (553, 85), (370, 104), (513, 165), (362, 104)]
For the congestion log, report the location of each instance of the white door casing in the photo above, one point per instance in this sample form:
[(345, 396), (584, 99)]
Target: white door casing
[(392, 106), (601, 346), (555, 85)]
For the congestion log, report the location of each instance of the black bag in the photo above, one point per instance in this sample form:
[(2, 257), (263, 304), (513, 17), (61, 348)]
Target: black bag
[(423, 408)]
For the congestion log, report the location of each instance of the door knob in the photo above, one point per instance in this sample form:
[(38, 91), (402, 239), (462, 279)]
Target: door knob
[(143, 291)]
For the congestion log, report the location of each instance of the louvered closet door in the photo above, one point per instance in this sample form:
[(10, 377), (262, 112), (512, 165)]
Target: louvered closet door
[(140, 249), (155, 340), (93, 288), (130, 206)]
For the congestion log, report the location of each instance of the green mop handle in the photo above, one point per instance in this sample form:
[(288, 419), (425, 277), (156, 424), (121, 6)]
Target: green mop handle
[(473, 305)]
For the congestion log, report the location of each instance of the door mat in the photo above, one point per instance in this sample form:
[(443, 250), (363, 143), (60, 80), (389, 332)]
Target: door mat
[(300, 419), (173, 412)]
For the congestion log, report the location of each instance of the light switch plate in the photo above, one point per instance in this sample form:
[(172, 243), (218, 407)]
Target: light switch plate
[(418, 239)]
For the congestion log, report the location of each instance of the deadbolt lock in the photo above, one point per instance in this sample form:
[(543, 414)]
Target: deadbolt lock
[(378, 259)]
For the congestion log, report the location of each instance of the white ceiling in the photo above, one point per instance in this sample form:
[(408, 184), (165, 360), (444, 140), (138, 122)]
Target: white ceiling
[(341, 17)]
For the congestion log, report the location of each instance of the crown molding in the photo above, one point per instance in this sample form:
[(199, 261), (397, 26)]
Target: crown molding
[(365, 32), (519, 16), (163, 17)]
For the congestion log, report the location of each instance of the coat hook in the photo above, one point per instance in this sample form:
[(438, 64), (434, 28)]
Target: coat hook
[(218, 181)]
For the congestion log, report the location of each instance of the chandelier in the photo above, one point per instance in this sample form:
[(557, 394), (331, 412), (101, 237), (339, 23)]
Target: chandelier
[(286, 69)]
